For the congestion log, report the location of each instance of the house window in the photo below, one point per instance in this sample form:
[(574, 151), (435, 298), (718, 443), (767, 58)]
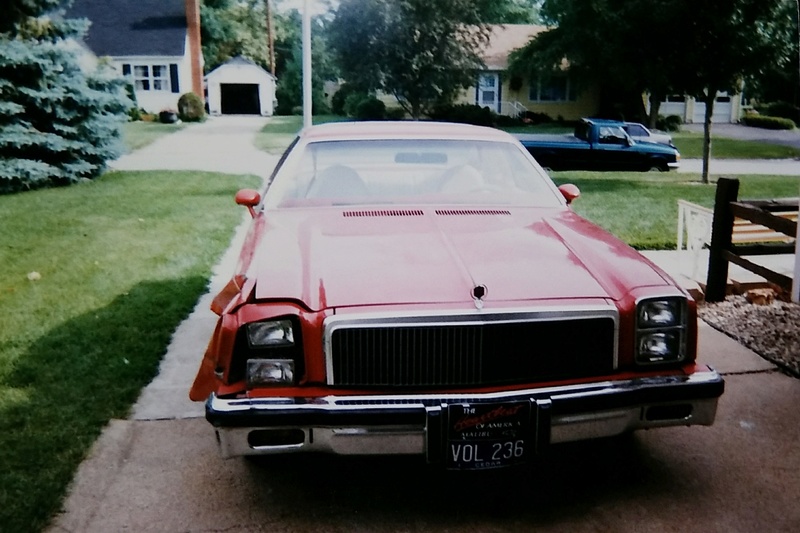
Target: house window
[(151, 77), (552, 89)]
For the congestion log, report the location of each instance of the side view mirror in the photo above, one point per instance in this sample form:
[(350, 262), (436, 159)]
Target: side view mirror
[(248, 198), (570, 192)]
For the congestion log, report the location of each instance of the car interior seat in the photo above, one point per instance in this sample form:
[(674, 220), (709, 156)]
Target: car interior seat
[(337, 181)]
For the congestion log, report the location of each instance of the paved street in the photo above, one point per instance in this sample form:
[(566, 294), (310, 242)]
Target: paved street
[(159, 470)]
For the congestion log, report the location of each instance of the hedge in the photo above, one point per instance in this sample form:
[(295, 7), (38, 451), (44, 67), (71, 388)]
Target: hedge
[(769, 123)]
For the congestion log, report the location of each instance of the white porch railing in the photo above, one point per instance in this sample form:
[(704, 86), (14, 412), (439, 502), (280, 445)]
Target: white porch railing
[(512, 109)]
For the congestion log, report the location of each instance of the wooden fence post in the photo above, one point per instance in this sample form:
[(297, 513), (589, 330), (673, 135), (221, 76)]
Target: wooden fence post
[(721, 232)]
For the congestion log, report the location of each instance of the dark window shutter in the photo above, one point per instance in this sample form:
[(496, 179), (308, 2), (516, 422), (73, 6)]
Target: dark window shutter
[(126, 69), (173, 77), (499, 93)]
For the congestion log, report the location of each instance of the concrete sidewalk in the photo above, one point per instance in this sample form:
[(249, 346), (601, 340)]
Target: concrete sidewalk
[(220, 144), (159, 470)]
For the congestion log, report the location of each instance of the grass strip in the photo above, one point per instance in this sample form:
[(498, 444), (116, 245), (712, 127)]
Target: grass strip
[(690, 145), (139, 134), (280, 131), (120, 262)]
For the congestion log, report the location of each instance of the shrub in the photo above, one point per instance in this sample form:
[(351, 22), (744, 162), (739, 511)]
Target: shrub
[(395, 113), (339, 98), (768, 123), (351, 102), (370, 108), (669, 123), (191, 108), (532, 117), (464, 113), (504, 121), (782, 110)]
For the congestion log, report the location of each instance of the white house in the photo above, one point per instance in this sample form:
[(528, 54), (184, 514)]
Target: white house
[(156, 43), (240, 87)]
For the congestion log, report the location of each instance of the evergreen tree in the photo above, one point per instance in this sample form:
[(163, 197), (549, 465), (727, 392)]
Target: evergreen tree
[(58, 125)]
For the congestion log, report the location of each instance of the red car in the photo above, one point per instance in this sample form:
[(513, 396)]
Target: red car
[(425, 288)]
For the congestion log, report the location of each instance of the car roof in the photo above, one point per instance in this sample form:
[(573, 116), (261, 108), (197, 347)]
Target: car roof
[(604, 122), (401, 130)]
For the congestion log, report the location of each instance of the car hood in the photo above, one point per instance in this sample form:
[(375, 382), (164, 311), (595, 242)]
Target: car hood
[(328, 257)]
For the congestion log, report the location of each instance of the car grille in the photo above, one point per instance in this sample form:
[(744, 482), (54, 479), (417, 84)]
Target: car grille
[(457, 355)]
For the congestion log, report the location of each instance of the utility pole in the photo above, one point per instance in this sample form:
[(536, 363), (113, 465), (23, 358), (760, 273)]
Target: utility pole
[(270, 37), (306, 65)]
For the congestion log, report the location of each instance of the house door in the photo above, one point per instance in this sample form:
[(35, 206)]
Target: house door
[(240, 99), (488, 93)]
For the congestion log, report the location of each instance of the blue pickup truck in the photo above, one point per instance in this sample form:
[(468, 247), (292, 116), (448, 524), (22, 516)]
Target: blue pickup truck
[(599, 145)]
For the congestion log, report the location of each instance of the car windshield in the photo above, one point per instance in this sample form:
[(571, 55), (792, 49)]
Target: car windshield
[(362, 172)]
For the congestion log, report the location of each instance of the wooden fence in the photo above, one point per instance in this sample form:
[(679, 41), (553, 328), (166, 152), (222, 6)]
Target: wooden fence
[(748, 228)]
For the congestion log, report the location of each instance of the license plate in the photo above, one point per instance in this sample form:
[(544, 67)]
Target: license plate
[(482, 436)]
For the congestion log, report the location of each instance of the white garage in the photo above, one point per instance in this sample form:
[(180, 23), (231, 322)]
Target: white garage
[(240, 87), (726, 108)]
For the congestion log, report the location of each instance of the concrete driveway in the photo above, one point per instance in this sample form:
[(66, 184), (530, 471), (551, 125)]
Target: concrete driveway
[(159, 469)]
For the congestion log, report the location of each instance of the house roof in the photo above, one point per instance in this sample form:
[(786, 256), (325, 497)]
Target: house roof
[(241, 61), (503, 39), (133, 27)]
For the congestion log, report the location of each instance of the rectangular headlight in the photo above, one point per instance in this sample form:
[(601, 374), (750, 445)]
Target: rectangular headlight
[(272, 333), (659, 313), (661, 330), (261, 372), (659, 347)]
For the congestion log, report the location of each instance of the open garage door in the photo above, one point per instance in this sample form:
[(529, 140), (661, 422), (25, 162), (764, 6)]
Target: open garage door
[(240, 99)]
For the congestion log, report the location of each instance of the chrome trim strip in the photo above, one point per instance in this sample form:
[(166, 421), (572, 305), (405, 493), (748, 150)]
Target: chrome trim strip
[(390, 401), (469, 317)]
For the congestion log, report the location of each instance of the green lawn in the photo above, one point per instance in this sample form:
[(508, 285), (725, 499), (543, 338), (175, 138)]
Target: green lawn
[(280, 131), (690, 145), (138, 134), (122, 260), (641, 208)]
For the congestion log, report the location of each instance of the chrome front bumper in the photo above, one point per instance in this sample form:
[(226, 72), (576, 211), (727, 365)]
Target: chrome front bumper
[(412, 424)]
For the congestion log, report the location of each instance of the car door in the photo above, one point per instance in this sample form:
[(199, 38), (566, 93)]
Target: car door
[(615, 150)]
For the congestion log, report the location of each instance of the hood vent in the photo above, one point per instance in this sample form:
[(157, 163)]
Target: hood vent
[(472, 212), (384, 213)]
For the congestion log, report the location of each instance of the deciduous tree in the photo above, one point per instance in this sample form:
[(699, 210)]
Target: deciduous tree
[(693, 47), (421, 51)]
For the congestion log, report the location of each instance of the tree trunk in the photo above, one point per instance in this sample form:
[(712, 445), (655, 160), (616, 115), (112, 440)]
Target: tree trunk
[(710, 97), (655, 106)]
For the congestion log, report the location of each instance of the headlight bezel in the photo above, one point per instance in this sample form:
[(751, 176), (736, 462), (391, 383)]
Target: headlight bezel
[(246, 350), (662, 324)]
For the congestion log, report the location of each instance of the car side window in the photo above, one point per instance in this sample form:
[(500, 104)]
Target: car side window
[(636, 130), (609, 135)]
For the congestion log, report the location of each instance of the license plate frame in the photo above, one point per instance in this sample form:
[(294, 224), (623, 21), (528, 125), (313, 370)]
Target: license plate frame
[(481, 436)]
